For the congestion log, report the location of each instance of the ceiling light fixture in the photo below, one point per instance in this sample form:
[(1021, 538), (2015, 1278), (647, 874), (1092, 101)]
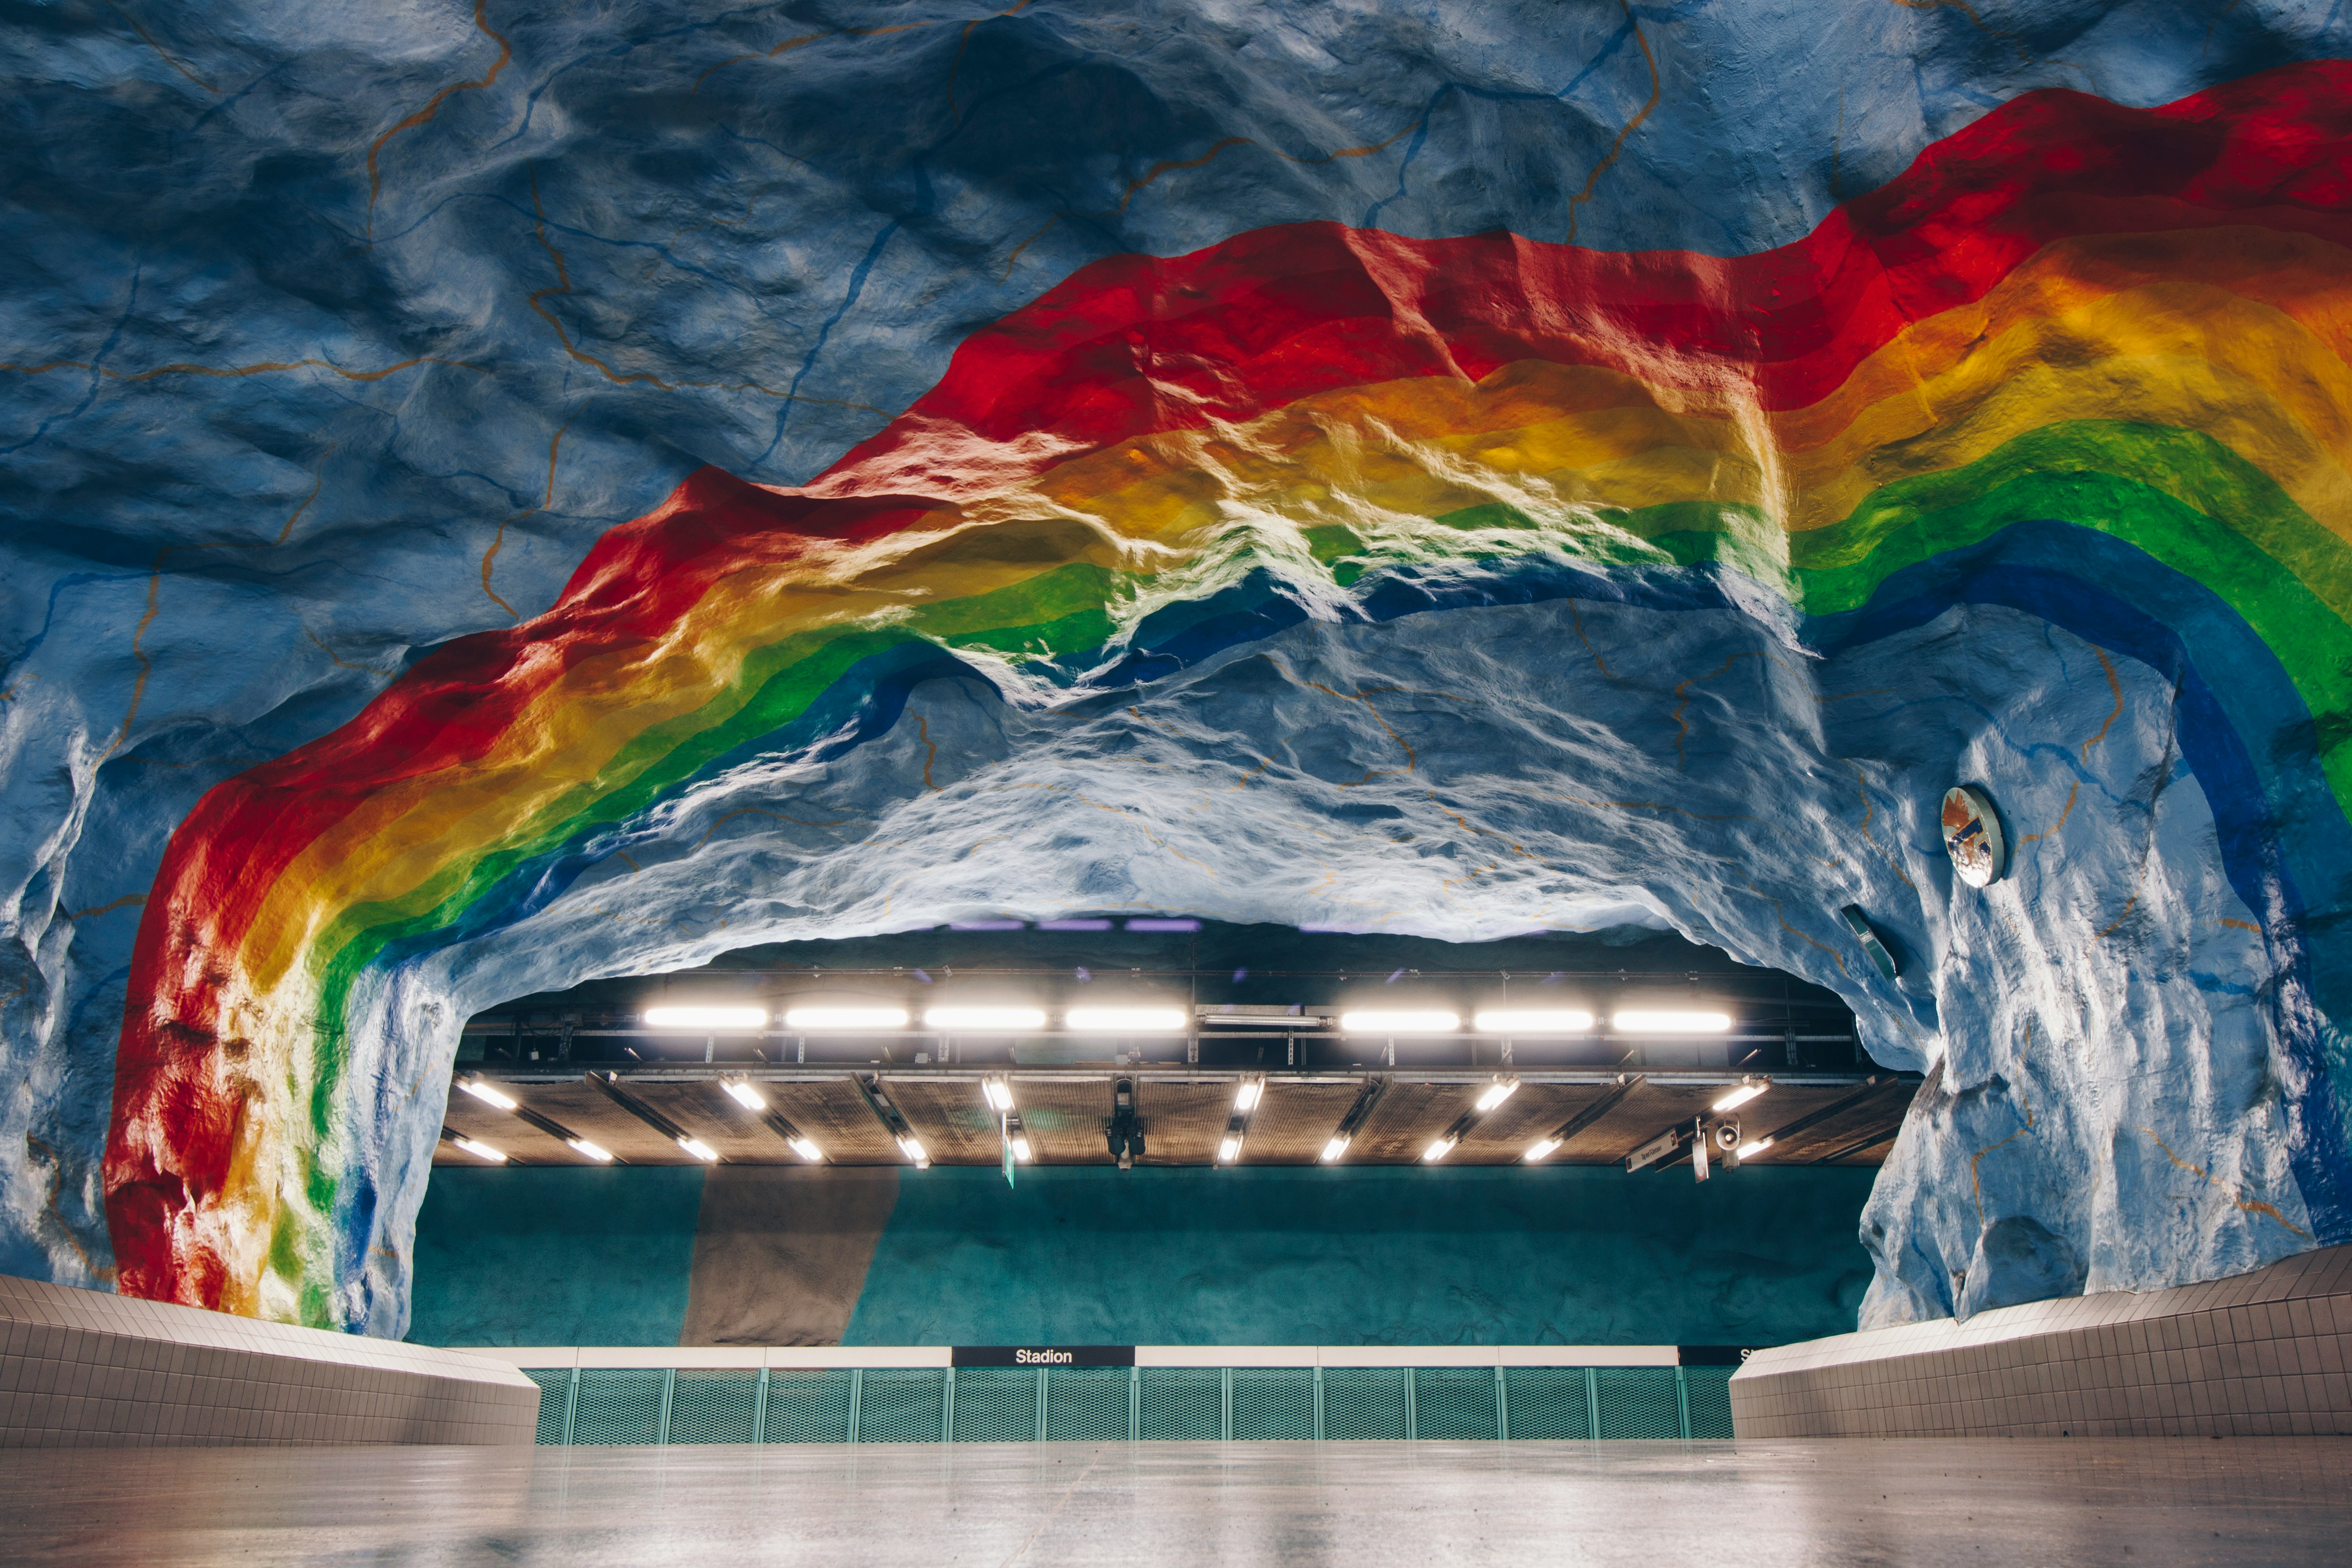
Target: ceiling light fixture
[(1127, 1020), (1229, 1150), (913, 1150), (705, 1018), (1563, 1021), (745, 1094), (998, 1092), (807, 1018), (1641, 1022), (1430, 1023), (807, 1151), (700, 1150), (1245, 1096), (985, 1020), (1542, 1149), (595, 1151), (1439, 1150), (481, 1150), (1742, 1095), (1752, 1148), (1501, 1089), (485, 1094), (1021, 1149), (1334, 1149)]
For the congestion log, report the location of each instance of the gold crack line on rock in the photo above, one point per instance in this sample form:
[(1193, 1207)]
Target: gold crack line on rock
[(498, 538), (1682, 689), (2247, 1206), (1618, 146), (128, 900), (375, 177), (168, 60), (755, 811), (2113, 685)]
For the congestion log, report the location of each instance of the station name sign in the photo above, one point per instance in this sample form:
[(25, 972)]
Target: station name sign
[(1043, 1355)]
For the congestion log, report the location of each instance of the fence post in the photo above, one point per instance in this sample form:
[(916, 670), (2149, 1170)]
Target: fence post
[(1225, 1383), (857, 1388), (669, 1386), (1591, 1402), (1682, 1402), (1134, 1403), (947, 1410), (571, 1401), (1319, 1401), (1502, 1406), (1411, 1401), (760, 1410), (1041, 1403)]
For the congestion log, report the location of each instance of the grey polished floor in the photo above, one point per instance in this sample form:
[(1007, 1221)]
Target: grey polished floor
[(1820, 1504)]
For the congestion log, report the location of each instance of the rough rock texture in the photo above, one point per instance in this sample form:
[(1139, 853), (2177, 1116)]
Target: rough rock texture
[(1456, 474)]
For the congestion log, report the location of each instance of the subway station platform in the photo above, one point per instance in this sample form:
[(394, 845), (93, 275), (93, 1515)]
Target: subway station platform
[(1920, 1502)]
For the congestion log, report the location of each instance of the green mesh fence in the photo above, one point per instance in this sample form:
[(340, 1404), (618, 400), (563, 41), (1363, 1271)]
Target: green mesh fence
[(1455, 1402), (1088, 1404), (996, 1404), (714, 1406), (1182, 1404), (618, 1406), (1638, 1402), (1273, 1404), (1094, 1405), (808, 1407), (1366, 1402), (554, 1399), (1547, 1402), (1710, 1400), (902, 1404)]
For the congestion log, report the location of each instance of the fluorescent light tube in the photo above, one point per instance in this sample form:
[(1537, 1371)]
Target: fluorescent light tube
[(1501, 1089), (913, 1151), (595, 1151), (1334, 1149), (1021, 1150), (487, 1095), (1229, 1150), (984, 1019), (1753, 1147), (707, 1017), (1543, 1150), (1127, 1020), (1399, 1023), (1564, 1021), (745, 1094), (1739, 1097), (482, 1151), (1639, 1021), (999, 1092), (700, 1150), (1439, 1150), (846, 1018), (807, 1151), (1245, 1098)]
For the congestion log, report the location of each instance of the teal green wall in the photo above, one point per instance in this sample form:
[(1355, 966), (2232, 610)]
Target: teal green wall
[(1567, 1255), (554, 1257), (1570, 1255)]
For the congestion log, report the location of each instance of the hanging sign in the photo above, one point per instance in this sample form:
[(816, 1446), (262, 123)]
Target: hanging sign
[(1042, 1355)]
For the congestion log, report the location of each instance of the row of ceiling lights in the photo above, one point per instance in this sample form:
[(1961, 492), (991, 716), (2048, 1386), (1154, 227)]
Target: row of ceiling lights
[(1145, 1020), (998, 1093)]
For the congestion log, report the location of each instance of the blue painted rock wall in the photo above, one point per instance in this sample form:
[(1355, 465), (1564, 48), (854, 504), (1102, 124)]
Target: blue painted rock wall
[(341, 337)]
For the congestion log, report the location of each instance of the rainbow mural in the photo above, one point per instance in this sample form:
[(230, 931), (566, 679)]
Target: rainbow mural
[(2092, 362)]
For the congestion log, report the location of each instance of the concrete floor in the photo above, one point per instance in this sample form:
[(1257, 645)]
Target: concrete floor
[(1910, 1503)]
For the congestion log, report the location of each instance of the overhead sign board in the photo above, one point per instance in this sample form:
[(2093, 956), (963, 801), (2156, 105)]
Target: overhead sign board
[(1043, 1355)]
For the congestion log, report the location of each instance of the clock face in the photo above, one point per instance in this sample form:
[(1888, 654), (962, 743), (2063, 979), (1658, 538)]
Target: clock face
[(1972, 834)]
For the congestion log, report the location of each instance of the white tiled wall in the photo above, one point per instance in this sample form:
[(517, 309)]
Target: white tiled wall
[(2258, 1355), (83, 1369)]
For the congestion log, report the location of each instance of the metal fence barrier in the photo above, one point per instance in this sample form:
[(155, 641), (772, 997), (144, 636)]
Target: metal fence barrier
[(1088, 1405)]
